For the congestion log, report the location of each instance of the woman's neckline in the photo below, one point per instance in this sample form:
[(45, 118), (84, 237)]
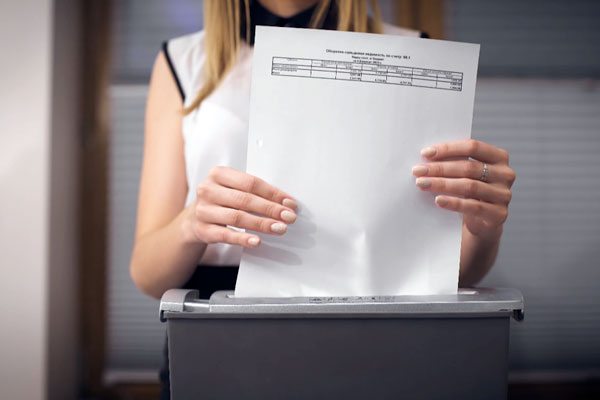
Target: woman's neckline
[(309, 8), (262, 16), (259, 15)]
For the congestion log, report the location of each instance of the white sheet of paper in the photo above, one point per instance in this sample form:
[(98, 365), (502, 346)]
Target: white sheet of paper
[(337, 120)]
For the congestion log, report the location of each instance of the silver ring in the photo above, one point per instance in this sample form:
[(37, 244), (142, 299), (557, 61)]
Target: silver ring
[(484, 174)]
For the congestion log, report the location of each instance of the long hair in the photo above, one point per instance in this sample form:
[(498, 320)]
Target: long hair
[(222, 21)]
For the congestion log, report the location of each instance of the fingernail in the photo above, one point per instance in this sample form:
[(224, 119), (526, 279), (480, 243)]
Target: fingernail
[(253, 241), (290, 203), (419, 170), (288, 216), (428, 152), (278, 227), (423, 182), (441, 201)]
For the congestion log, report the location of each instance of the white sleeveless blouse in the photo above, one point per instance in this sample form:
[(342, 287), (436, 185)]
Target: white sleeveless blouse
[(215, 133)]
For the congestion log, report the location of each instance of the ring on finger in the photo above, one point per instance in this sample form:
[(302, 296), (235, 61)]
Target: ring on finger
[(484, 173)]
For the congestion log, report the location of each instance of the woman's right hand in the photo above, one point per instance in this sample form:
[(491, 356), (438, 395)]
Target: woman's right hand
[(229, 197)]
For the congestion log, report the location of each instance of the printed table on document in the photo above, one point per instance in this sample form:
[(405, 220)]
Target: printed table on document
[(367, 72)]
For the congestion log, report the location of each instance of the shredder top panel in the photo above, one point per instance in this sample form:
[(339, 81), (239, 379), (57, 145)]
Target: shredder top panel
[(182, 303)]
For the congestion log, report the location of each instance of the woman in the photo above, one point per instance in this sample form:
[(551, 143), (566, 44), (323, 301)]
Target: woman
[(192, 184)]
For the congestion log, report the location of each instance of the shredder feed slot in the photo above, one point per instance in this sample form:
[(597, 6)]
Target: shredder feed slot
[(183, 303)]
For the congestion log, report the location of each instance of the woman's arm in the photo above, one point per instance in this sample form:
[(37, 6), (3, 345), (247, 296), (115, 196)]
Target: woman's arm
[(477, 256), (170, 239), (483, 201), (163, 256)]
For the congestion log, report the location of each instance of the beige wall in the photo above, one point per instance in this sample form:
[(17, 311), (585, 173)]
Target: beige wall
[(37, 198)]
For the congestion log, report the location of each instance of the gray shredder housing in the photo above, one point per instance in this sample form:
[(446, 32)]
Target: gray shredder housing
[(373, 347)]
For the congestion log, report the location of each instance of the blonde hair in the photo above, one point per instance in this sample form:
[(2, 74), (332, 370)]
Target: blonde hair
[(222, 21)]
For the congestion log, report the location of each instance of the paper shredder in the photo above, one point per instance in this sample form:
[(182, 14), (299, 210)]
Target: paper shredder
[(372, 347)]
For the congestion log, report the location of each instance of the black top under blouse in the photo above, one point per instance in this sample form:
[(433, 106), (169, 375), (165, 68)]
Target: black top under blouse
[(259, 15)]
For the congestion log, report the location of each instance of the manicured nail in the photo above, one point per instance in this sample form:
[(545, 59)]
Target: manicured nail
[(278, 227), (288, 216), (423, 182), (441, 201), (290, 203), (420, 170), (253, 241), (428, 152)]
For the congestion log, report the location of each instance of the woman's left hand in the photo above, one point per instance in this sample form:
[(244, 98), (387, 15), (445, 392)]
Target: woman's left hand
[(484, 181)]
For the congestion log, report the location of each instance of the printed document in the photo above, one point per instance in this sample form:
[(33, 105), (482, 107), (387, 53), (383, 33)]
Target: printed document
[(337, 120)]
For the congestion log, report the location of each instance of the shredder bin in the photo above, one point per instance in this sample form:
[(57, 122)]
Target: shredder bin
[(371, 347)]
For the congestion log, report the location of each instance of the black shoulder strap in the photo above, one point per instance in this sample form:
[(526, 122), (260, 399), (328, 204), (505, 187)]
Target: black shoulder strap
[(172, 68)]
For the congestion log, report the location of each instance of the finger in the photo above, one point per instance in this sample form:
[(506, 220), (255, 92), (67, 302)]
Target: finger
[(465, 169), (466, 187), (222, 234), (239, 200), (213, 214), (466, 148), (235, 179), (493, 213)]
